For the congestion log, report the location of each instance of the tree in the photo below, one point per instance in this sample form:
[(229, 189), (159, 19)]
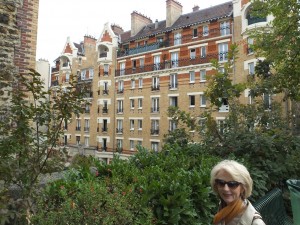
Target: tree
[(279, 43), (30, 130)]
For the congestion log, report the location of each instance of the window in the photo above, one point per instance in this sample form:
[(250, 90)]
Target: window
[(142, 62), (202, 101), (172, 125), (225, 105), (174, 101), (119, 144), (193, 53), (203, 52), (86, 141), (192, 76), (87, 108), (133, 65), (267, 101), (202, 75), (104, 144), (154, 146), (251, 68), (131, 124), (105, 106), (131, 142), (106, 69), (119, 106), (78, 126), (104, 127), (139, 143), (174, 59), (156, 60), (91, 73), (67, 77), (205, 30), (140, 103), (225, 28), (195, 32), (221, 70), (119, 126), (252, 19), (78, 140), (155, 105), (155, 83), (192, 100), (132, 84), (159, 39), (120, 86), (122, 68), (223, 51), (86, 125), (83, 74), (140, 124), (250, 45), (131, 103), (177, 38), (154, 127), (173, 81), (140, 82), (221, 126)]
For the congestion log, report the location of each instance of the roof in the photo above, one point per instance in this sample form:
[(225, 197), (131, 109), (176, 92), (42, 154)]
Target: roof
[(80, 48), (223, 10)]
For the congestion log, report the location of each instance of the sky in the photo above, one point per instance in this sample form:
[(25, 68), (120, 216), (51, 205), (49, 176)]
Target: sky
[(60, 19)]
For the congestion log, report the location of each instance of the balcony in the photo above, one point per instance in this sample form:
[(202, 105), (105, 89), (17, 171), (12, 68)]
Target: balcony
[(104, 129), (168, 64), (78, 128), (173, 86), (119, 130), (154, 131), (154, 109), (155, 88), (120, 91), (103, 55), (105, 92), (104, 110), (105, 73), (54, 83), (86, 129), (253, 20), (120, 110)]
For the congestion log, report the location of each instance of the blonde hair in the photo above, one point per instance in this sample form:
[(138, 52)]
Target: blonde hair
[(238, 172)]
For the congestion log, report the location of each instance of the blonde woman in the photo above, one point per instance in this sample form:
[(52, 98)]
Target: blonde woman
[(233, 184)]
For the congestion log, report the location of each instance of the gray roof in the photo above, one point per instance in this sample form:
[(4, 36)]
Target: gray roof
[(201, 16)]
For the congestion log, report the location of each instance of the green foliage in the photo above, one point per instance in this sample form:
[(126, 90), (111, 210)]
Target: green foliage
[(279, 43), (30, 128), (170, 187)]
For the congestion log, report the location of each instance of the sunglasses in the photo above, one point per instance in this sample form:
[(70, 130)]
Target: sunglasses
[(231, 184)]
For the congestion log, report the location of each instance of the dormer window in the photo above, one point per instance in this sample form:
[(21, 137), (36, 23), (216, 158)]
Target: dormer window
[(103, 50)]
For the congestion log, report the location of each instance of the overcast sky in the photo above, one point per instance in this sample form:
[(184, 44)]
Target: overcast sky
[(59, 19)]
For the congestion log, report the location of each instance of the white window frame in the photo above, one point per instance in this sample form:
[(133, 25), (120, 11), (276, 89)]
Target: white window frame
[(173, 81), (140, 124), (223, 52), (203, 52), (83, 74), (203, 75), (174, 101), (131, 103), (122, 68), (154, 146), (251, 68), (193, 53), (177, 38), (140, 103), (120, 85), (202, 100), (140, 82), (155, 81), (91, 73), (155, 104), (205, 30), (131, 124), (131, 143), (224, 28), (86, 141), (192, 76), (119, 124), (192, 98), (172, 125), (132, 84), (174, 59), (156, 60)]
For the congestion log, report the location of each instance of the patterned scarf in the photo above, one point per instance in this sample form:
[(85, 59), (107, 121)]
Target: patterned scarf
[(229, 212)]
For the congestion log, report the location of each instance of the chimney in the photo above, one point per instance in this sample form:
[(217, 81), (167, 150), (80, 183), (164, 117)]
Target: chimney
[(156, 24), (195, 8), (117, 29), (88, 39), (138, 21), (173, 12)]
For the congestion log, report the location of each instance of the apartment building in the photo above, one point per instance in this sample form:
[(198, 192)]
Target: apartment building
[(135, 75)]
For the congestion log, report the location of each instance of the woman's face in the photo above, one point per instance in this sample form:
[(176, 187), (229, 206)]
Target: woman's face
[(228, 194)]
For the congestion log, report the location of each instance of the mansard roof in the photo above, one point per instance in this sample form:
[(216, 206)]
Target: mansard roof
[(220, 11)]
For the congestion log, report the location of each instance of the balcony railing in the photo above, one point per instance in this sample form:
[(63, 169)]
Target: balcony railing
[(88, 95), (104, 129), (120, 91), (155, 88), (121, 110), (173, 86), (78, 128), (154, 109), (105, 92), (154, 131), (103, 55), (54, 83), (253, 20), (104, 110), (86, 129), (119, 130), (172, 64), (105, 73), (216, 32)]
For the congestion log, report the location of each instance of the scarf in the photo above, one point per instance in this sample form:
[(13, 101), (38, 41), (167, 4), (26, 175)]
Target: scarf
[(229, 212)]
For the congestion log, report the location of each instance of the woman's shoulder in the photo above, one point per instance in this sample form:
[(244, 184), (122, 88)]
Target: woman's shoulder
[(251, 216)]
